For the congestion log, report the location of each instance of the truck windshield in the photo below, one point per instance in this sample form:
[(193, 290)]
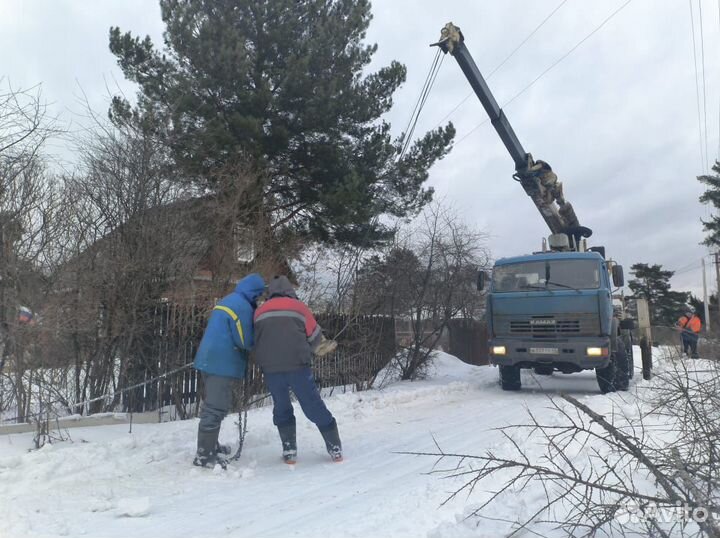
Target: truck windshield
[(547, 274)]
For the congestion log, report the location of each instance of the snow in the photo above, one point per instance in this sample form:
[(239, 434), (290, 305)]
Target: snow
[(135, 507), (109, 482)]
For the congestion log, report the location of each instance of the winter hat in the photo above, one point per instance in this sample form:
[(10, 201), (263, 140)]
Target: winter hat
[(280, 285)]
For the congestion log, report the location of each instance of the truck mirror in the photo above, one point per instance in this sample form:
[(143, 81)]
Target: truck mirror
[(627, 324), (617, 276), (482, 277)]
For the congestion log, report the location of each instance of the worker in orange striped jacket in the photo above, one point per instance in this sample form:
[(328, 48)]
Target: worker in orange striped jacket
[(286, 337), (690, 326)]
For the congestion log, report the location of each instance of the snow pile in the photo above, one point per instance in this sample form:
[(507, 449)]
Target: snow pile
[(107, 482)]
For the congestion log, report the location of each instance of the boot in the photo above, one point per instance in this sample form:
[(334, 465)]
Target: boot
[(289, 443), (207, 450), (332, 442)]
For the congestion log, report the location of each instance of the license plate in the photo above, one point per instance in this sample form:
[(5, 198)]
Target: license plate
[(544, 350)]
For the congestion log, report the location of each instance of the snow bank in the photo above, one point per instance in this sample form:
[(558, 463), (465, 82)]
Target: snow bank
[(107, 482)]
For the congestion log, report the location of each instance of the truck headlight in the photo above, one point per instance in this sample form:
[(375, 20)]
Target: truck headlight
[(499, 350), (597, 352)]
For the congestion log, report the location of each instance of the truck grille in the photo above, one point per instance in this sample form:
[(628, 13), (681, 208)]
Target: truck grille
[(558, 325)]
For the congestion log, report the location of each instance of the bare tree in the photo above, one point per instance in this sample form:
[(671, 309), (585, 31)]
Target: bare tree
[(426, 279), (653, 472), (28, 206)]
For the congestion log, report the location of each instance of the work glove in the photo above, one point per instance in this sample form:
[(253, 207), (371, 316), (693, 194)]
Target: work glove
[(325, 347)]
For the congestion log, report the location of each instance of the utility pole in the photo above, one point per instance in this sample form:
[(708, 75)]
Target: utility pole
[(717, 278), (705, 298)]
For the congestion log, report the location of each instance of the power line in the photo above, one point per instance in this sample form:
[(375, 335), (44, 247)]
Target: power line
[(568, 53), (702, 56), (561, 4), (694, 267), (552, 66), (703, 160), (505, 60)]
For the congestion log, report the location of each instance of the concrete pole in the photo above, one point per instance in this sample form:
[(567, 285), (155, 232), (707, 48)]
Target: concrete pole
[(717, 277), (705, 298)]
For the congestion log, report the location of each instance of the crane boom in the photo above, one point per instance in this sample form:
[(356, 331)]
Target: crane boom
[(536, 177)]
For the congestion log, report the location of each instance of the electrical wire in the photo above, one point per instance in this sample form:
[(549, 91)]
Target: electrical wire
[(702, 56), (505, 60), (693, 267), (497, 68), (703, 160), (552, 66)]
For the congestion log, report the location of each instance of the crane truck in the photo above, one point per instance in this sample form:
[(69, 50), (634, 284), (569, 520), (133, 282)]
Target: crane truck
[(551, 310)]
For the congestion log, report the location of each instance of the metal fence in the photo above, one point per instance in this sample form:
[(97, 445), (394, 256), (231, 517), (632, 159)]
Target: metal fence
[(366, 346)]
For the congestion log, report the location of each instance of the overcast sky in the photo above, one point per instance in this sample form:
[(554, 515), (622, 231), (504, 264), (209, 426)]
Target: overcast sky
[(617, 119)]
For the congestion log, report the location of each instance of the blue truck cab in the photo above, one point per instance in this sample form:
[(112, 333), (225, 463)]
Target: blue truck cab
[(553, 311)]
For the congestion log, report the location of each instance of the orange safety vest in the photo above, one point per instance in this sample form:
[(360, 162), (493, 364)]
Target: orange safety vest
[(694, 324)]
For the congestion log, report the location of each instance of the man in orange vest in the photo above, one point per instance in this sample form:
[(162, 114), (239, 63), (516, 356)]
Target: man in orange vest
[(690, 326)]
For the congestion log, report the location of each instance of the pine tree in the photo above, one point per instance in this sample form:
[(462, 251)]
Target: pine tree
[(651, 282), (712, 196), (281, 85)]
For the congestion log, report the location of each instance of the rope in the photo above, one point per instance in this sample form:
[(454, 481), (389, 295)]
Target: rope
[(106, 395)]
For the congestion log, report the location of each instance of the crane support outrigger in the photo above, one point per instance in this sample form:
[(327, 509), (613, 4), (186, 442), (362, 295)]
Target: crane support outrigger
[(536, 177), (551, 310)]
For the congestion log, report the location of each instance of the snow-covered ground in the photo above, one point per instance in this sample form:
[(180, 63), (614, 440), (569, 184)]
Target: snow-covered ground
[(108, 482)]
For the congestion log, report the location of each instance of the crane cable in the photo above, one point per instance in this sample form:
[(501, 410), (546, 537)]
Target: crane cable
[(420, 103), (552, 66), (406, 141)]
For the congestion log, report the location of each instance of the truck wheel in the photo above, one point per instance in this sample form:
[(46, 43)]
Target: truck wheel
[(622, 367), (606, 377), (510, 377)]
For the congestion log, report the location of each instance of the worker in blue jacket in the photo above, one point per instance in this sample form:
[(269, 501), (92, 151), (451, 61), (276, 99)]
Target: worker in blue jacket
[(222, 358)]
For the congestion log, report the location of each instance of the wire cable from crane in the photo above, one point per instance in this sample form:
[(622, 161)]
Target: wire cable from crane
[(547, 70), (504, 61), (356, 257), (420, 104)]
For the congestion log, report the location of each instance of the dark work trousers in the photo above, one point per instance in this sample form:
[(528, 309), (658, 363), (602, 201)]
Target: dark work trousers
[(303, 386), (217, 402), (689, 340)]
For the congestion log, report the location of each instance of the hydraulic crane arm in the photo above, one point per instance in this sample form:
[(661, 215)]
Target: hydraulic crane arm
[(536, 177)]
